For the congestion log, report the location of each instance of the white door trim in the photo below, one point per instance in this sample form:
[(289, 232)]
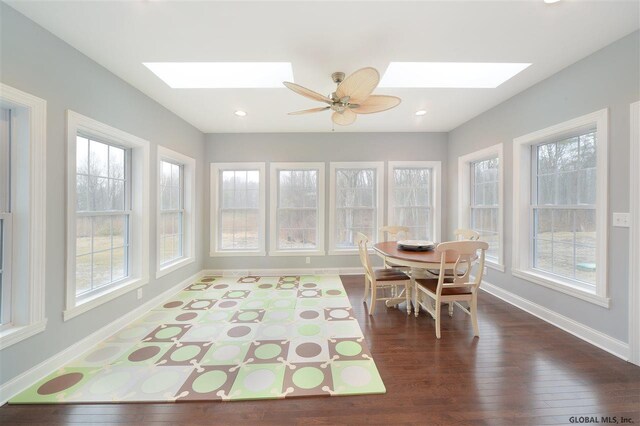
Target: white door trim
[(634, 253)]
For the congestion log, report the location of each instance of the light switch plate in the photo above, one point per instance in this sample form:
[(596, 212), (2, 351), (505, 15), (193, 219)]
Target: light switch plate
[(621, 220)]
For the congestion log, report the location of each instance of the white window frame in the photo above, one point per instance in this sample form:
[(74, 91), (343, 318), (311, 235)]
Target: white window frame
[(378, 166), (634, 252), (464, 194), (273, 195), (214, 240), (436, 184), (139, 216), (522, 216), (6, 229), (29, 129), (188, 165)]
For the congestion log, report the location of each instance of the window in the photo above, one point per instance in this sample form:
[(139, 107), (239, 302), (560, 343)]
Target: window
[(176, 210), (102, 214), (297, 208), (107, 213), (414, 197), (480, 199), (563, 207), (5, 218), (22, 215), (355, 200), (238, 209)]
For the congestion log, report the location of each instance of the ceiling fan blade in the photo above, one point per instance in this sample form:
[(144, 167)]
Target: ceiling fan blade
[(377, 103), (306, 92), (344, 119), (309, 111), (359, 85)]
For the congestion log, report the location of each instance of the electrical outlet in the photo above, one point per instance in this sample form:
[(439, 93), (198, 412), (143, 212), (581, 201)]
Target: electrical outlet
[(621, 220), (307, 260), (139, 293)]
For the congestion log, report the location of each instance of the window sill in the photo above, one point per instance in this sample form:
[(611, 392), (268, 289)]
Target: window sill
[(15, 334), (104, 297), (562, 287), (340, 252), (236, 253), (493, 265), (174, 266), (296, 253)]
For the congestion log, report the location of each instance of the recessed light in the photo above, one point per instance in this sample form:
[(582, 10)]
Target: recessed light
[(551, 1), (463, 75), (222, 75), (240, 113), (421, 112)]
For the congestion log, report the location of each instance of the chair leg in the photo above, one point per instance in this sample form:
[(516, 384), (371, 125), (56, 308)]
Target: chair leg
[(416, 302), (366, 288), (372, 305), (407, 296), (438, 307), (474, 315), (451, 309)]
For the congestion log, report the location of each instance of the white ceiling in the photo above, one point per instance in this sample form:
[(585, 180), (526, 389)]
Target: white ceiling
[(322, 37)]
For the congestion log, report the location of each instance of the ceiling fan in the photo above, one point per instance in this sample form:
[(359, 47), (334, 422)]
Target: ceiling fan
[(352, 96)]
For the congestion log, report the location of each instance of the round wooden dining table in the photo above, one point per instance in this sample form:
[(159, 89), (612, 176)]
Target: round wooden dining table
[(420, 262)]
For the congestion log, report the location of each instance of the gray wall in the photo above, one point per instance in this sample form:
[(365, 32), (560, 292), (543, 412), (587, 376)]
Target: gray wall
[(326, 147), (36, 62), (610, 79)]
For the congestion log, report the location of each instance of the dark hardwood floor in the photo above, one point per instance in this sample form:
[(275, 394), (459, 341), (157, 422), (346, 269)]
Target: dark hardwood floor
[(520, 371)]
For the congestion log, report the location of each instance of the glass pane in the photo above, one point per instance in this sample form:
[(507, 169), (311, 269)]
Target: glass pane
[(175, 198), (563, 226), (116, 162), (547, 189), (99, 198), (83, 235), (116, 194), (253, 179), (83, 273), (98, 159), (567, 154), (176, 175), (168, 248), (101, 268), (165, 197), (547, 162), (543, 255), (563, 259), (82, 193), (82, 155), (567, 188), (119, 229), (165, 177), (119, 263), (586, 227), (101, 233), (588, 150), (543, 224), (586, 264), (587, 186)]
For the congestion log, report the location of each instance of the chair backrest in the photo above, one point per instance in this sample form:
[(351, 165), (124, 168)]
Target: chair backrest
[(393, 233), (466, 234), (466, 253), (363, 250)]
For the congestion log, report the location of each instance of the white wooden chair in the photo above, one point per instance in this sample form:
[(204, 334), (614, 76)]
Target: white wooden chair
[(454, 285), (393, 233), (466, 234), (382, 279)]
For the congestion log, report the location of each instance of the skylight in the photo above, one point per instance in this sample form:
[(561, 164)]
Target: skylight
[(465, 75), (222, 75)]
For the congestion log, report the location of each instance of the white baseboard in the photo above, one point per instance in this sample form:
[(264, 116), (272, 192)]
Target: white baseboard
[(16, 385), (588, 334), (284, 271)]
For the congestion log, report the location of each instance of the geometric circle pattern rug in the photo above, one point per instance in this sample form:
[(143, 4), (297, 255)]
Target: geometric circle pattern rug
[(229, 339)]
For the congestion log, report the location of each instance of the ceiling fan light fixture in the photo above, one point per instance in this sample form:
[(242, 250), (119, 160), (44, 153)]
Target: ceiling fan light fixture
[(421, 112), (240, 113)]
